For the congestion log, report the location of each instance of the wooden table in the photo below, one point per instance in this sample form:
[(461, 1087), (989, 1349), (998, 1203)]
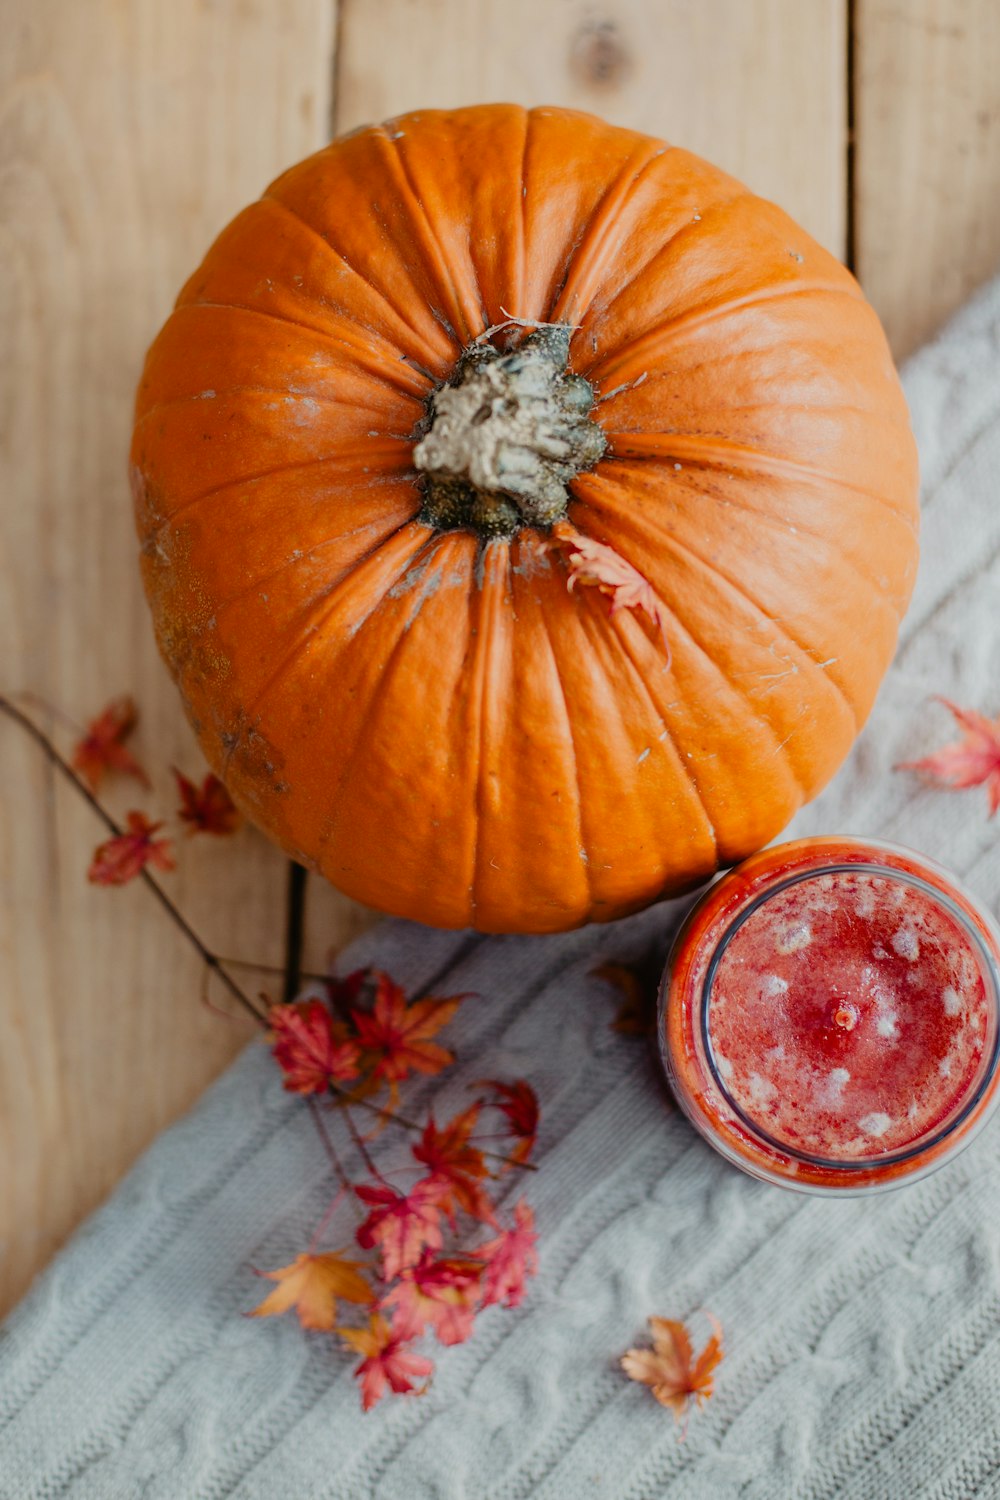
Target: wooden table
[(130, 131)]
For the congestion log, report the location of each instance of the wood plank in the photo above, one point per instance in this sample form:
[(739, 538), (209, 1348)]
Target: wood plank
[(129, 133), (759, 86), (927, 202)]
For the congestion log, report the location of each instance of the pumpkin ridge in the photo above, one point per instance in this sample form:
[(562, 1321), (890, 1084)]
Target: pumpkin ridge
[(232, 484), (810, 657), (760, 513), (484, 646), (617, 634), (329, 823), (756, 459), (266, 579), (331, 599), (270, 390), (432, 250), (587, 260), (446, 353), (665, 247), (757, 706), (700, 317), (381, 367), (571, 741)]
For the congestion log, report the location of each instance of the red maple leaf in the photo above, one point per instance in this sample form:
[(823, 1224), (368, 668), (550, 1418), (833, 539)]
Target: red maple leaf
[(670, 1370), (519, 1102), (102, 747), (401, 1224), (974, 760), (509, 1259), (208, 808), (122, 858), (342, 993), (310, 1048), (456, 1166), (442, 1293), (388, 1361), (396, 1034), (595, 564)]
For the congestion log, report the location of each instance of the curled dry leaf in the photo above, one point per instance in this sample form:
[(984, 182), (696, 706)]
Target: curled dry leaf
[(670, 1370), (974, 760), (638, 985), (310, 1047), (519, 1102), (388, 1361), (456, 1166), (595, 564), (397, 1034), (312, 1285), (510, 1259), (121, 859), (208, 808), (102, 747)]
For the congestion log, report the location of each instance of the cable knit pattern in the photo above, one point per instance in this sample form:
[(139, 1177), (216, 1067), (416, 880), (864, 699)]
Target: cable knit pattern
[(863, 1336)]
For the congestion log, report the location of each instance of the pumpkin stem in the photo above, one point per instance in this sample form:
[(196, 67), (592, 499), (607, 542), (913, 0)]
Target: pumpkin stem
[(505, 436)]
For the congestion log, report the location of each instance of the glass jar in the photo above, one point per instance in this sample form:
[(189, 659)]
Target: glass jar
[(828, 1017)]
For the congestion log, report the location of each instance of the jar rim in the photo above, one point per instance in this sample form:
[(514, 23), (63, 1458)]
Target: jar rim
[(988, 968)]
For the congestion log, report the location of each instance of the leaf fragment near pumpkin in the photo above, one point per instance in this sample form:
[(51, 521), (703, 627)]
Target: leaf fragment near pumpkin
[(594, 564)]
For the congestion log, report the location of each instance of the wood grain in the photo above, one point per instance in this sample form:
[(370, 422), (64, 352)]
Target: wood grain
[(129, 133), (760, 86), (927, 92)]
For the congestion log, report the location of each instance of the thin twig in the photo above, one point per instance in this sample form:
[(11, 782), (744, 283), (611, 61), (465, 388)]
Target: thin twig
[(362, 1146), (176, 915), (328, 1146), (395, 1118)]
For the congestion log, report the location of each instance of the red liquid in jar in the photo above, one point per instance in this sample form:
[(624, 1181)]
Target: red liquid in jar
[(830, 1015), (847, 1015)]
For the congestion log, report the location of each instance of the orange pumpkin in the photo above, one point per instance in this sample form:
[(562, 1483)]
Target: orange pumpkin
[(401, 397)]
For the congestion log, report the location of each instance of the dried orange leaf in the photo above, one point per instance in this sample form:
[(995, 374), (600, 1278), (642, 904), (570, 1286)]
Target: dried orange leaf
[(595, 564), (974, 760), (638, 985), (312, 1284), (673, 1375)]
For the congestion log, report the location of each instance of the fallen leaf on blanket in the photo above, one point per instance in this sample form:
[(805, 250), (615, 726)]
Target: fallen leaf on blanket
[(396, 1034), (638, 984), (456, 1165), (388, 1361), (121, 859), (207, 808), (310, 1047), (974, 760), (312, 1284), (670, 1370), (519, 1102), (510, 1259), (102, 747), (400, 1224), (594, 564), (442, 1294)]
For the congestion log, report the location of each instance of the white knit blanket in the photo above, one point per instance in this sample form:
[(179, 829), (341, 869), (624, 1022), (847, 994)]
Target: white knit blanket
[(863, 1336)]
